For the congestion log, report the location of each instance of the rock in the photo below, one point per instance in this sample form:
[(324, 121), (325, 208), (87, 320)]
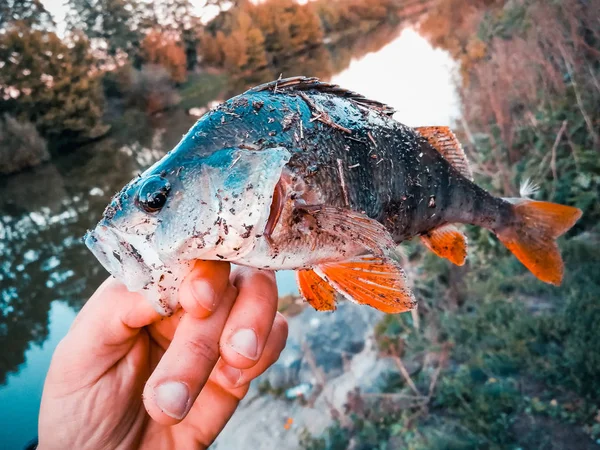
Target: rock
[(284, 373), (334, 338), (342, 347)]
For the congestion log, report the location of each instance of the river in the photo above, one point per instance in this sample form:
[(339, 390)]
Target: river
[(46, 273)]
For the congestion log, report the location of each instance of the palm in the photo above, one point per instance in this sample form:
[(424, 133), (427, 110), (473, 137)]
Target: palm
[(101, 389)]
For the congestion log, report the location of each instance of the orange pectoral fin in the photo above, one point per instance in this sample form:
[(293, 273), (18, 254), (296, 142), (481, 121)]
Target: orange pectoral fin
[(368, 280), (352, 226), (316, 291), (447, 242)]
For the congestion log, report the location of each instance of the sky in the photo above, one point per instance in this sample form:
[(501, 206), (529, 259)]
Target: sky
[(58, 9)]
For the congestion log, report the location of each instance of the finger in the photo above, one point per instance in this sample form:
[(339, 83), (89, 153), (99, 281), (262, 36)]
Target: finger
[(102, 333), (251, 318), (231, 378), (218, 400), (202, 289), (186, 365)]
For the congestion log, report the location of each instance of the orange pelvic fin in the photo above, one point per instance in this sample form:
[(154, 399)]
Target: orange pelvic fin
[(316, 291), (532, 238), (370, 280), (445, 142), (447, 242)]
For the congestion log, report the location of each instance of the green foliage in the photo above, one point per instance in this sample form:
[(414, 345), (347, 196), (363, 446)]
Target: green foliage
[(504, 23), (150, 89), (112, 21), (520, 350), (200, 89), (20, 145), (48, 82), (32, 13)]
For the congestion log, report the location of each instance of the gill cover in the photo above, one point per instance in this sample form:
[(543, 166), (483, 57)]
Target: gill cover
[(219, 204)]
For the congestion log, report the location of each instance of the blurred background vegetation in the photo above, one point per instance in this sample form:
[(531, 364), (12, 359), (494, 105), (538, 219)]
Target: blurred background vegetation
[(117, 54), (503, 360)]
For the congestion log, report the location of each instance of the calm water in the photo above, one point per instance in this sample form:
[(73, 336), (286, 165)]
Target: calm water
[(46, 273)]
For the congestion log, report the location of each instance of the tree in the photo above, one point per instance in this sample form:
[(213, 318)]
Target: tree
[(49, 82), (179, 16), (305, 29), (31, 12), (164, 49), (21, 146), (113, 22)]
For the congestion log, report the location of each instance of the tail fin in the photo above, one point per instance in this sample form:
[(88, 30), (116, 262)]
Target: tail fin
[(532, 237)]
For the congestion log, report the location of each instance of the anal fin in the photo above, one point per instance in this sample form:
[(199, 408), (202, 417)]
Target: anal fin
[(445, 142), (316, 291), (447, 242), (370, 280)]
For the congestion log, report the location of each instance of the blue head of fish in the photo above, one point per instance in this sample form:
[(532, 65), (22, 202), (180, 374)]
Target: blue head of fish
[(182, 209)]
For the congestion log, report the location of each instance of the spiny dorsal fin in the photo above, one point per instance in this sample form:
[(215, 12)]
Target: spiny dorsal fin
[(447, 242), (370, 280), (445, 142), (302, 83)]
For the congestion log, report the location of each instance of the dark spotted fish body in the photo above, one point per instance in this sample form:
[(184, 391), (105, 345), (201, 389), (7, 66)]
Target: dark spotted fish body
[(359, 157), (303, 175)]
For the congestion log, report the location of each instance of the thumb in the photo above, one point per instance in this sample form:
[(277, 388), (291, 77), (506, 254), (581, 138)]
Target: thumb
[(103, 332)]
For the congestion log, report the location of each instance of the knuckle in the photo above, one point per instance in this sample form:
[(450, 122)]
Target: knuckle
[(280, 329), (203, 348), (281, 323)]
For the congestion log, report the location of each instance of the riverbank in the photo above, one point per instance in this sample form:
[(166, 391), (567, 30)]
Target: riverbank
[(507, 361)]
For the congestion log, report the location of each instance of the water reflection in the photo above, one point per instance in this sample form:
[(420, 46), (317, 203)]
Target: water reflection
[(323, 60), (44, 212), (411, 76)]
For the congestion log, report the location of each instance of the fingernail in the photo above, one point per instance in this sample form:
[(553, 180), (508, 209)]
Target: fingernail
[(172, 398), (204, 294), (232, 374), (245, 343)]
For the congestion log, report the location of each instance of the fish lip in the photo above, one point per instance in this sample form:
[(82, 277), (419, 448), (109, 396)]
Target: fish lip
[(105, 247), (117, 257)]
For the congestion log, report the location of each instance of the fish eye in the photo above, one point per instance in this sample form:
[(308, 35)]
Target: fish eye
[(153, 193)]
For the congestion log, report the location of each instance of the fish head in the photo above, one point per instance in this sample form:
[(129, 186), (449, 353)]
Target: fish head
[(182, 209)]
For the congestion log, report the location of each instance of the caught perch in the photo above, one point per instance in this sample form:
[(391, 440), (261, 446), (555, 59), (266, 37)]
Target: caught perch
[(333, 205)]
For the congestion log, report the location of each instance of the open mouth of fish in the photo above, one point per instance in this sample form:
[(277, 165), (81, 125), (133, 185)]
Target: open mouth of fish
[(123, 260)]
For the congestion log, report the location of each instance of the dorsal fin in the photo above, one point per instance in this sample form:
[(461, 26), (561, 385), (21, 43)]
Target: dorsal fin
[(302, 83), (445, 142)]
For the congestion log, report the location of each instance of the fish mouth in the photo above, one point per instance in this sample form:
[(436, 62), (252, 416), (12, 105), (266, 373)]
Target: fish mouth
[(120, 258)]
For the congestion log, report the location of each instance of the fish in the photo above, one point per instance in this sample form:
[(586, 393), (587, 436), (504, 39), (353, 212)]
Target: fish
[(300, 174)]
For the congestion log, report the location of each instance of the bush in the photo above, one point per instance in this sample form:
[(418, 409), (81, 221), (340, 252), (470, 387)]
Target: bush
[(21, 146), (48, 81), (151, 89)]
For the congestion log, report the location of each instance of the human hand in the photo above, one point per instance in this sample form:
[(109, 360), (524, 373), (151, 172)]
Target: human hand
[(124, 377)]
